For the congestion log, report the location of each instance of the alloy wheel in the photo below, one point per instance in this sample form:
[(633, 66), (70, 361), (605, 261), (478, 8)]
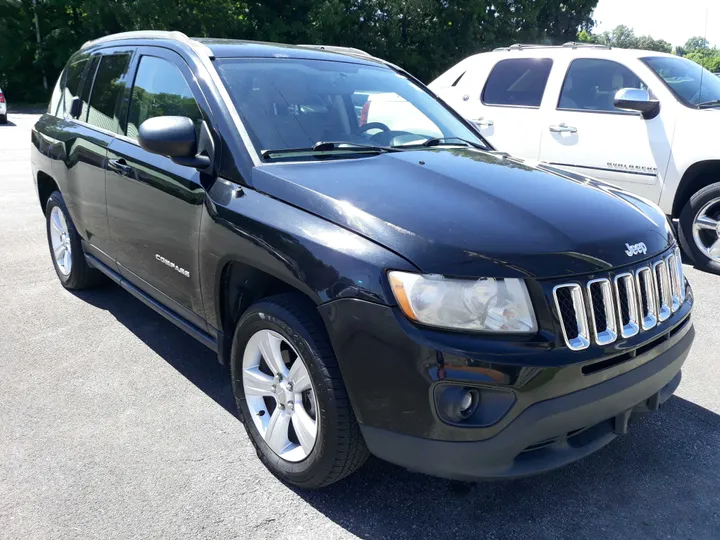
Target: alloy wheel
[(706, 230), (280, 395), (60, 241)]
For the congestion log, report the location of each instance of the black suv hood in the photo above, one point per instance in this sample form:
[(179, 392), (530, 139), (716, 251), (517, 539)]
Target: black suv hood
[(463, 212)]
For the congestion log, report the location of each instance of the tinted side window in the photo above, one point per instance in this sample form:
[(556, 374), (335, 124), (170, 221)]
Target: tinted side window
[(160, 90), (87, 87), (109, 84), (72, 82), (591, 84), (520, 82)]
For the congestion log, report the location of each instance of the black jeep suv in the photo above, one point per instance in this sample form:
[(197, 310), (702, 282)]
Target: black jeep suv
[(378, 279)]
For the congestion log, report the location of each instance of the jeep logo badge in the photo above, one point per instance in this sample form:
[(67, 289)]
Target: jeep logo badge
[(635, 249)]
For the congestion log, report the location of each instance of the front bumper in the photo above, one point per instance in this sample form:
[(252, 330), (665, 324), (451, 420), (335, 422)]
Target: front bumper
[(548, 434), (563, 404)]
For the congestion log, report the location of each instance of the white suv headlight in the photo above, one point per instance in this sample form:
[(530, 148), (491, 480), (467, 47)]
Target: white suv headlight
[(478, 305)]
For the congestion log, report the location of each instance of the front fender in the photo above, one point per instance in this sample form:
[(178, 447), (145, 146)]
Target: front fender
[(318, 258)]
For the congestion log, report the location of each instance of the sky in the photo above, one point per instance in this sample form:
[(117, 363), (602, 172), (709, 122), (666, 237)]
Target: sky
[(672, 20)]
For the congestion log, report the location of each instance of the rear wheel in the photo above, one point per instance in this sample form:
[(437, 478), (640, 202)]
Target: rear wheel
[(65, 247), (3, 118), (700, 228), (290, 394)]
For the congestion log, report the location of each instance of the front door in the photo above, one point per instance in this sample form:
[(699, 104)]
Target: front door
[(585, 133), (155, 205)]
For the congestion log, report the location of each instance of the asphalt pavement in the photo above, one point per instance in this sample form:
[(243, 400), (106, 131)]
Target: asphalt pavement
[(115, 424)]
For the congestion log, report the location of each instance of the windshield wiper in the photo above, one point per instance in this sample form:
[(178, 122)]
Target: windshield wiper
[(345, 145), (338, 147), (709, 104), (437, 141)]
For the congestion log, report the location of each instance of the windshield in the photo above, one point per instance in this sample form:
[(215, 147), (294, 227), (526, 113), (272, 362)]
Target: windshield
[(295, 103), (690, 82)]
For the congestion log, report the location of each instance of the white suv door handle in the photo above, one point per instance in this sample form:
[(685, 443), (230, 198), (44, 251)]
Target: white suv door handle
[(483, 122), (562, 128)]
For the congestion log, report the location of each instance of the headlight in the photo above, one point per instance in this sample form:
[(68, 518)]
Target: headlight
[(480, 305)]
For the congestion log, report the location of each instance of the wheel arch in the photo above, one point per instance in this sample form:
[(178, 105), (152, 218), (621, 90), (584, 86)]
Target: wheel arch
[(46, 186), (240, 285), (696, 177)]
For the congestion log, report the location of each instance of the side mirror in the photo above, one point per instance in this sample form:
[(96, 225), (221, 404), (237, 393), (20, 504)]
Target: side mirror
[(635, 99), (75, 107), (176, 138)]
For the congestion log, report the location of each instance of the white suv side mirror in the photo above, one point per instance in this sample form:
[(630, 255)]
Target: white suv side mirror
[(635, 99)]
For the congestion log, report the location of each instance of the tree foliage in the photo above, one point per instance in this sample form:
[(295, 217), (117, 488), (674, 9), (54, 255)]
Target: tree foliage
[(623, 37), (423, 36), (696, 48)]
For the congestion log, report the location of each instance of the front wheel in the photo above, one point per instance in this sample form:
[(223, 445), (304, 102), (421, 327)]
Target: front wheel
[(291, 396), (700, 228)]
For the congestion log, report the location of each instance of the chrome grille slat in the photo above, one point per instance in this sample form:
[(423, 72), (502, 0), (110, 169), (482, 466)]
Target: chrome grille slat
[(675, 287), (662, 283), (602, 310), (608, 333), (627, 283), (647, 297), (573, 317)]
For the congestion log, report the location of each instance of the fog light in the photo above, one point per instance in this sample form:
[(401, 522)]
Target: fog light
[(466, 402), (458, 403)]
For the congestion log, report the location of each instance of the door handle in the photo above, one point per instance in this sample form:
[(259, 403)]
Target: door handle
[(120, 166), (482, 122), (563, 128)]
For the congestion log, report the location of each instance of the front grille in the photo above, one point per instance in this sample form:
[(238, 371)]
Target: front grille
[(601, 310)]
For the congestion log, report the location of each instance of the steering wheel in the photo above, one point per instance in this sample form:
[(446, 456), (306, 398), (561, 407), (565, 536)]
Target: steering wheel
[(373, 125)]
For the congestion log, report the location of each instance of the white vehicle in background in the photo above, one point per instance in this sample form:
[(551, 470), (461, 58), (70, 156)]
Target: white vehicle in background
[(390, 112), (3, 108), (647, 122)]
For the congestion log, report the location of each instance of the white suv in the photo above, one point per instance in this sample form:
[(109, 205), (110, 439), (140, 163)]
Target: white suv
[(645, 121)]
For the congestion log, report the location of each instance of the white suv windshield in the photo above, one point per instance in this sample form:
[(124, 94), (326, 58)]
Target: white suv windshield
[(690, 82), (296, 103)]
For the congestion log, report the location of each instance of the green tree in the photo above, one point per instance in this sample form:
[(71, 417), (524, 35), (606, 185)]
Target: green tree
[(648, 43), (709, 59), (621, 36), (696, 43), (423, 36)]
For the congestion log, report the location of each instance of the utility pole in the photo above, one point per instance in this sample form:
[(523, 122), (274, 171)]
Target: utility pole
[(39, 41)]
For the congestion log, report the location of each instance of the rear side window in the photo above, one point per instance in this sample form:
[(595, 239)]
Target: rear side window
[(73, 79), (109, 83), (87, 87), (517, 82), (590, 85), (160, 90)]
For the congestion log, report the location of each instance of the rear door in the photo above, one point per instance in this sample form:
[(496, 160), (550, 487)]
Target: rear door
[(584, 131), (80, 171), (155, 205), (505, 105)]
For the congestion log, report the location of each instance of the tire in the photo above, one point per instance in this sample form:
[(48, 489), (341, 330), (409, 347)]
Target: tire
[(706, 202), (3, 118), (80, 275), (339, 448)]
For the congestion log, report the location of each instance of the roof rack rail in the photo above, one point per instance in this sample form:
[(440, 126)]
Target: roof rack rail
[(568, 45), (522, 46), (580, 44), (336, 48), (140, 34)]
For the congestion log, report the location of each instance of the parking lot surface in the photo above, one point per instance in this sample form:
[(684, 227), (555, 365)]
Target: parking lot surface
[(116, 424)]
